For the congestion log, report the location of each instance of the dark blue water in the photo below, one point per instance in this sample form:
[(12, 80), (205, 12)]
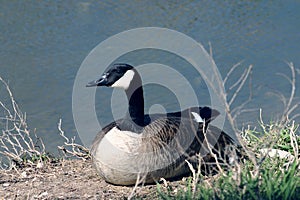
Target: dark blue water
[(43, 44)]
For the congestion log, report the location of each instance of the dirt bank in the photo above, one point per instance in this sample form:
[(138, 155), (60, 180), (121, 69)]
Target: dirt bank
[(68, 179)]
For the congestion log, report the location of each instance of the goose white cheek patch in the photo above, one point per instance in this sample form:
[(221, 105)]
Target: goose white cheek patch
[(124, 81)]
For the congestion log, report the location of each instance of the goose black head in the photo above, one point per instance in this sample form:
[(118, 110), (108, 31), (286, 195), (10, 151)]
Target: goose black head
[(119, 75)]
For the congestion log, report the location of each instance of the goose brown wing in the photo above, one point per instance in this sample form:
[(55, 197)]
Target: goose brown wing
[(183, 136)]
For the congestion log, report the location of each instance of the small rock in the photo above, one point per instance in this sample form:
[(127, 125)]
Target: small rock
[(24, 174), (175, 191), (44, 194), (5, 184), (40, 165), (277, 153)]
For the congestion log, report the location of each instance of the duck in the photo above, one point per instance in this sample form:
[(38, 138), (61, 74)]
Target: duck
[(143, 148)]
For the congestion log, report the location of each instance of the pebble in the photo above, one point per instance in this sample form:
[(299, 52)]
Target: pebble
[(40, 165), (43, 194), (24, 174), (5, 184)]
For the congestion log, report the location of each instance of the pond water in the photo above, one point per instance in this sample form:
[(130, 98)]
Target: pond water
[(43, 44)]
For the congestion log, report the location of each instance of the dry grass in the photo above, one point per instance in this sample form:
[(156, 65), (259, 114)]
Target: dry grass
[(21, 147), (71, 149), (18, 146)]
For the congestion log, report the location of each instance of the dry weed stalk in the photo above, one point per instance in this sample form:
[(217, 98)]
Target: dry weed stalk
[(233, 113), (217, 84), (70, 148), (294, 141), (284, 121), (138, 186), (288, 104), (18, 145), (196, 174), (268, 146)]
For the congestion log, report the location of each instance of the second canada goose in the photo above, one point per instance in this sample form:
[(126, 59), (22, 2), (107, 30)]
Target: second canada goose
[(151, 147)]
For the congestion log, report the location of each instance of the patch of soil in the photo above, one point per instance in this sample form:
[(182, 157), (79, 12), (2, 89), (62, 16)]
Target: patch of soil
[(68, 179)]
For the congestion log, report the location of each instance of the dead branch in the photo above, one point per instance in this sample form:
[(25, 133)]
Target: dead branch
[(227, 103), (70, 148), (241, 83), (17, 144)]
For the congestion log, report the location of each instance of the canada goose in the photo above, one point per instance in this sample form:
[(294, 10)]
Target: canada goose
[(151, 147)]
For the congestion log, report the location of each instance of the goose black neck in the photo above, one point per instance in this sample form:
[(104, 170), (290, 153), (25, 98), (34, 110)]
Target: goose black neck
[(136, 105)]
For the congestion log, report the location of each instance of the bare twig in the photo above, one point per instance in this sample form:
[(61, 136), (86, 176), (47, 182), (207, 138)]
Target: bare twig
[(17, 144), (227, 103), (70, 148), (196, 174), (292, 81), (140, 180), (241, 83), (231, 71)]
